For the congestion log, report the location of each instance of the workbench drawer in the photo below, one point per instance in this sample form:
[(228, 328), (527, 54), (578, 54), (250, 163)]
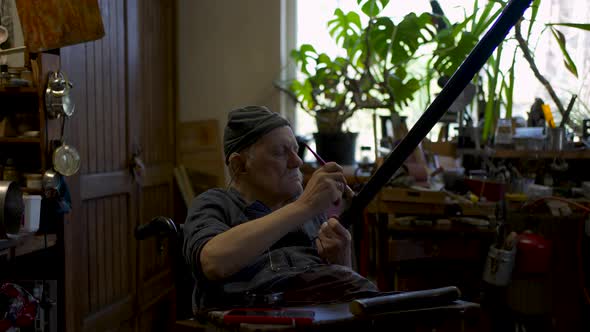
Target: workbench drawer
[(447, 248)]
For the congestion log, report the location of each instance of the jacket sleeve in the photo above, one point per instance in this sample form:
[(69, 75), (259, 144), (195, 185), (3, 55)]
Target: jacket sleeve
[(207, 217)]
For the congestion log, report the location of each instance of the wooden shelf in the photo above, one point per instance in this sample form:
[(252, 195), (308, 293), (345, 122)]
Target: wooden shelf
[(18, 90), (27, 243), (31, 191), (31, 243), (527, 154), (24, 140)]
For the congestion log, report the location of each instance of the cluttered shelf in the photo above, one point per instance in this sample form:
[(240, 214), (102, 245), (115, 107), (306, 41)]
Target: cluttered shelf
[(532, 154), (353, 174)]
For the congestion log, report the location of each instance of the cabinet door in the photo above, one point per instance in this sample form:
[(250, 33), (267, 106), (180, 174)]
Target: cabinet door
[(151, 105), (100, 266), (123, 95)]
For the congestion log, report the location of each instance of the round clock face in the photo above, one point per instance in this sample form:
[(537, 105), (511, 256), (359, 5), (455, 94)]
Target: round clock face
[(66, 160)]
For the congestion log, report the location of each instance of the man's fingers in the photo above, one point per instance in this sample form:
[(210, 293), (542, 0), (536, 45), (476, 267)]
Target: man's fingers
[(326, 232), (320, 245), (338, 177), (348, 193), (337, 229), (332, 167), (332, 229)]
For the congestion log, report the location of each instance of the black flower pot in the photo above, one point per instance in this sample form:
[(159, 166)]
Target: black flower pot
[(338, 147)]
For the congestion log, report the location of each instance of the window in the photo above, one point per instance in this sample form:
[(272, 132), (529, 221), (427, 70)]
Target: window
[(311, 28)]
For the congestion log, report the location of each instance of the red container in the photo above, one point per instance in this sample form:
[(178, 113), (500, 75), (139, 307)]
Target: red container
[(533, 254), (493, 191)]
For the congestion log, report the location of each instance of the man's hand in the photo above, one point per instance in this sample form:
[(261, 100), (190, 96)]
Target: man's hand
[(324, 189), (334, 243)]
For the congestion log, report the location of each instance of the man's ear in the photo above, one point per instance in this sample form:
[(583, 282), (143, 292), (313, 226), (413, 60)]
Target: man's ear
[(237, 163)]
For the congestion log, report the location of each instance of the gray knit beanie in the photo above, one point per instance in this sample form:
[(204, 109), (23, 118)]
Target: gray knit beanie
[(246, 125)]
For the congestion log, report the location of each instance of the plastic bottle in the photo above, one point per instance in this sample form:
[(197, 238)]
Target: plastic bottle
[(4, 75)]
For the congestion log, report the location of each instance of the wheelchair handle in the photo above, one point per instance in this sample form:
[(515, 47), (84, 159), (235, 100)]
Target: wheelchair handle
[(158, 226)]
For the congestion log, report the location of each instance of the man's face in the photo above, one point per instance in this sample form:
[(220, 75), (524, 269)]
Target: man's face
[(272, 167)]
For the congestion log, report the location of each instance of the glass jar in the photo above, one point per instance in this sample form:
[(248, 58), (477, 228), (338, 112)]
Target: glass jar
[(366, 156), (503, 134), (10, 173)]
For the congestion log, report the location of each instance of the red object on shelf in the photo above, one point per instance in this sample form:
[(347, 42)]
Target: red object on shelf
[(533, 254), (271, 316), (493, 191)]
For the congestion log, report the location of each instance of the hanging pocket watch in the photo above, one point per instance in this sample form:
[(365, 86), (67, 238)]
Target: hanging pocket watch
[(58, 102)]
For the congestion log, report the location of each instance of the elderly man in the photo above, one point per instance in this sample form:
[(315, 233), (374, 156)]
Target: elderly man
[(265, 233)]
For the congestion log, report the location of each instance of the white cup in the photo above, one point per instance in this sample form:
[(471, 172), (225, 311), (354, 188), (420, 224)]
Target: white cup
[(32, 212), (499, 265)]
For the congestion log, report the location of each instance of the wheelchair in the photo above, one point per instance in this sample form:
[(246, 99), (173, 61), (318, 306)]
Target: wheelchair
[(412, 311)]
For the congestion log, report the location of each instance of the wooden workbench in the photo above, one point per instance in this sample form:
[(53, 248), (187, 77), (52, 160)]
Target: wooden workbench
[(423, 253)]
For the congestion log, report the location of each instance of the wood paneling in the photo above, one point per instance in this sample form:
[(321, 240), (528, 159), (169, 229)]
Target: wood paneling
[(123, 91), (154, 256), (155, 126), (112, 318), (159, 316), (109, 239), (199, 148), (153, 97)]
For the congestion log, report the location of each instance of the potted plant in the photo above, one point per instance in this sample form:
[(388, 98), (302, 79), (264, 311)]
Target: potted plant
[(496, 82), (376, 72)]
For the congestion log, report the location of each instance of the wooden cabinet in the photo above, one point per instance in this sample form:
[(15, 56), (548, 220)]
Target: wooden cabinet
[(125, 116)]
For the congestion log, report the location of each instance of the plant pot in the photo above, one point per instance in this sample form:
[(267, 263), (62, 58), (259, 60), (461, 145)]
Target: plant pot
[(338, 147)]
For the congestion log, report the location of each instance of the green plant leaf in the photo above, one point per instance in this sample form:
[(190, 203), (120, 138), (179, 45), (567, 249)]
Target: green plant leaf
[(480, 23), (582, 26), (490, 114), (303, 55), (343, 26), (509, 87), (456, 42), (534, 12), (403, 87), (303, 91), (450, 58), (372, 8), (380, 35), (567, 59), (346, 30), (410, 34)]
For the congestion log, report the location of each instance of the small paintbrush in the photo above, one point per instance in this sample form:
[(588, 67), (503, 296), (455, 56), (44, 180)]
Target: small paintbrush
[(322, 163), (317, 157)]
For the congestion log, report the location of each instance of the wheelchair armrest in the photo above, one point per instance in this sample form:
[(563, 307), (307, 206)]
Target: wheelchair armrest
[(158, 226)]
